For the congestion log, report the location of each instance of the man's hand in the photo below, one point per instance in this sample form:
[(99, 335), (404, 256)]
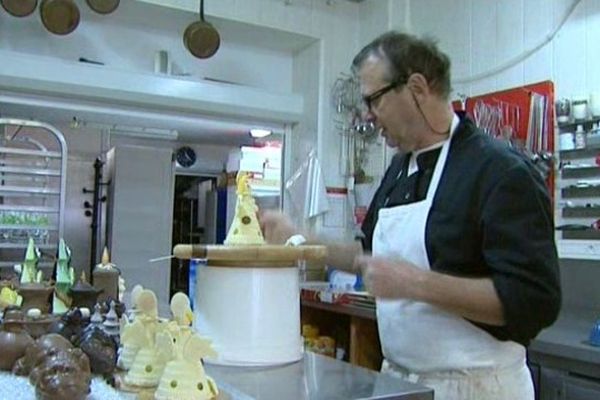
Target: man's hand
[(276, 227), (389, 279)]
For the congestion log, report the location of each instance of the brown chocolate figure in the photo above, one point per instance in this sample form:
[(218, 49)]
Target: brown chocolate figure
[(63, 375)]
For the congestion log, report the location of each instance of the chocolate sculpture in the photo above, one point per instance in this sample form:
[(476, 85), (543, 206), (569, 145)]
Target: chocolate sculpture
[(244, 228), (147, 367), (100, 348), (36, 295), (70, 325), (84, 294), (108, 278), (9, 297), (14, 340), (29, 272), (184, 376), (61, 375), (65, 278), (56, 369), (129, 347), (43, 347)]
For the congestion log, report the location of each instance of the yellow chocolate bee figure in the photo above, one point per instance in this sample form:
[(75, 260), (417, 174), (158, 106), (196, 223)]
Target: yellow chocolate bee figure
[(244, 229)]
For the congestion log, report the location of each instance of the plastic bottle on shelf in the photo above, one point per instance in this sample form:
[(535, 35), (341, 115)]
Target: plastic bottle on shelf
[(580, 137)]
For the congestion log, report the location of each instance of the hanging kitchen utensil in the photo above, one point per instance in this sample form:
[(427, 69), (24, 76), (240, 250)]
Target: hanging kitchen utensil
[(60, 17), (201, 38), (19, 8), (103, 6)]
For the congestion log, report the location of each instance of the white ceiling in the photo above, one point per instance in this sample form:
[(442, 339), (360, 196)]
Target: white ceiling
[(190, 127)]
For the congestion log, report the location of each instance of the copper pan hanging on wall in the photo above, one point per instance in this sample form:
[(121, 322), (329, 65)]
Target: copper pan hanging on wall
[(201, 38), (19, 8), (103, 6), (60, 17)]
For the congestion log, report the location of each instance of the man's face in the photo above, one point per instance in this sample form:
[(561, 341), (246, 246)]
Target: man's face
[(392, 109)]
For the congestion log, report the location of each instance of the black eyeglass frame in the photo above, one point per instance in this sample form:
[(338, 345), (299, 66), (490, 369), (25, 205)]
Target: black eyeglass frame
[(369, 99)]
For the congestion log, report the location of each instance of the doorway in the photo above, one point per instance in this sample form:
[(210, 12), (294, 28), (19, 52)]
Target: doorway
[(194, 221)]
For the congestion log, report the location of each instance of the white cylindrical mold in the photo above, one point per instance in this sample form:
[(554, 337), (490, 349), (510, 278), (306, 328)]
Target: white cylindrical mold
[(251, 314)]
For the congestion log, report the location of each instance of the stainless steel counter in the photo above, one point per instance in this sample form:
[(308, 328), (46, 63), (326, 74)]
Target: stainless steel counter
[(568, 336), (315, 377)]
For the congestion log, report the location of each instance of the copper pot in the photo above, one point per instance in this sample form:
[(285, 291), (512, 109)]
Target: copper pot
[(19, 8), (60, 17), (201, 38), (103, 6)]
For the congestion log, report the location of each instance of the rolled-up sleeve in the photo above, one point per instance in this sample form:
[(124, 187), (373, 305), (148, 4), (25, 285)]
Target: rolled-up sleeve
[(520, 252)]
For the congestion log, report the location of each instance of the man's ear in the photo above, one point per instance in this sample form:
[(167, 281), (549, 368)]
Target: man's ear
[(418, 85)]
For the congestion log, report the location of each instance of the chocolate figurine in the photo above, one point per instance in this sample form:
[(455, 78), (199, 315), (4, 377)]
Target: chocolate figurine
[(35, 292), (128, 347), (14, 341), (44, 346), (70, 325), (63, 374), (36, 295), (111, 323), (29, 272), (65, 278), (183, 376), (108, 278), (99, 346), (147, 367), (84, 294)]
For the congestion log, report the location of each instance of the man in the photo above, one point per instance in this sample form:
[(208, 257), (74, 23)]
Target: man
[(463, 261)]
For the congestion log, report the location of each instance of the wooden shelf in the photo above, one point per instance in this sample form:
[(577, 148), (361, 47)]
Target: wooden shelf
[(342, 309), (589, 151), (587, 234), (574, 122), (355, 328), (583, 172), (573, 192), (581, 212)]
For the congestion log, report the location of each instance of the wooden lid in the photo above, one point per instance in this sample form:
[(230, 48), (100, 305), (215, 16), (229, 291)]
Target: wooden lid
[(267, 255)]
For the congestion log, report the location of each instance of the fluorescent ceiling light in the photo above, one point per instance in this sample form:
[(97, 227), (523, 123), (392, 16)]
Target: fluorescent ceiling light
[(144, 133), (259, 133)]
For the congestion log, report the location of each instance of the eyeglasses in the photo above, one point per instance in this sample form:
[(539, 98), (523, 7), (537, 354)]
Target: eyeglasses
[(373, 97)]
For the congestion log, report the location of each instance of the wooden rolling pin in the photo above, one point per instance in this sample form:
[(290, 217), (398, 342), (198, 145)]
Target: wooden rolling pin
[(255, 253)]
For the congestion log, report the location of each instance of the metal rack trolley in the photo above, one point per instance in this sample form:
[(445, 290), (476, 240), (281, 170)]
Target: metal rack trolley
[(33, 166)]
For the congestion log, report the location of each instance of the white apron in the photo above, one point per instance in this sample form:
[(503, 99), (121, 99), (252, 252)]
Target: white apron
[(432, 346)]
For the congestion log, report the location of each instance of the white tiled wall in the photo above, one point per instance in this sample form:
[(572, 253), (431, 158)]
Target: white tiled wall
[(481, 34)]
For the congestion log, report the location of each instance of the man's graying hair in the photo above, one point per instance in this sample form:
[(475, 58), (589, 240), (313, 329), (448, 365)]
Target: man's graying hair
[(407, 54)]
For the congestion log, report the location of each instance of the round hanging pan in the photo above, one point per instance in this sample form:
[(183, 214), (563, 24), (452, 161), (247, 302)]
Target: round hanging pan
[(103, 6), (19, 8), (201, 38), (60, 17)]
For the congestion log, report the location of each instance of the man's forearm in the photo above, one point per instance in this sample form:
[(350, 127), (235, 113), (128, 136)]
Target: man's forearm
[(340, 255), (474, 299)]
